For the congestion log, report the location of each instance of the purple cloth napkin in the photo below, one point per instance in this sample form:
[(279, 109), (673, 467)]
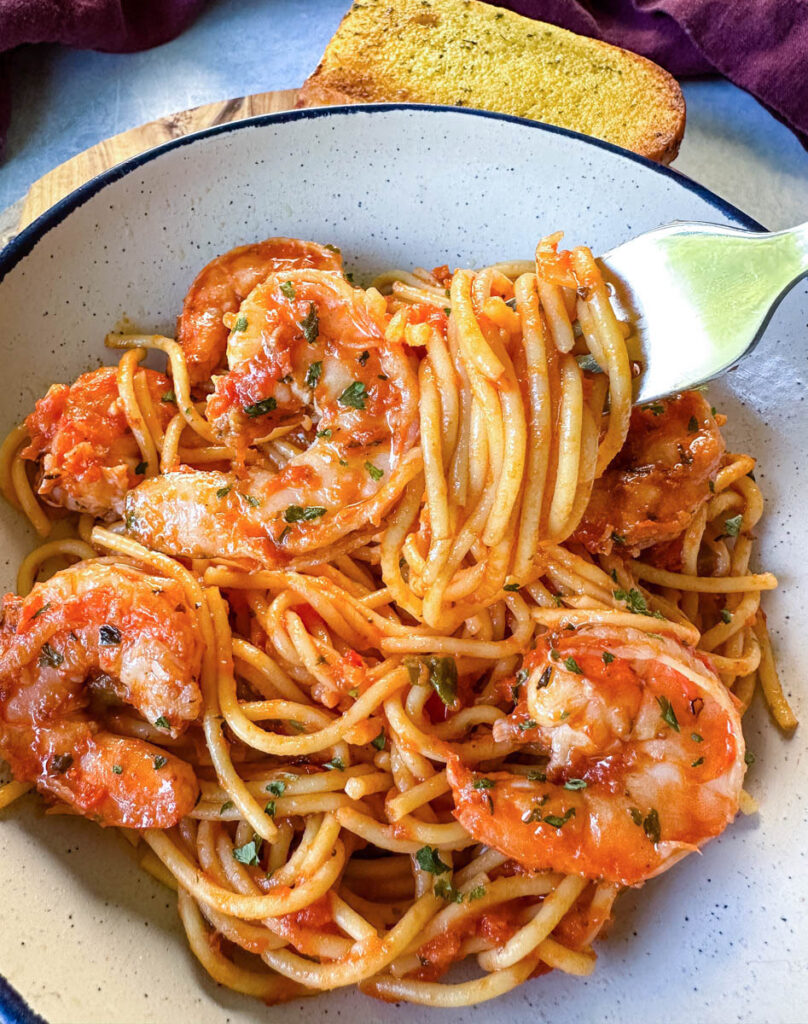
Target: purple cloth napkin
[(117, 26), (760, 45)]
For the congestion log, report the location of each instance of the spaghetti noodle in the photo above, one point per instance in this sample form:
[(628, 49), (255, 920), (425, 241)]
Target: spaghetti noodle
[(432, 731)]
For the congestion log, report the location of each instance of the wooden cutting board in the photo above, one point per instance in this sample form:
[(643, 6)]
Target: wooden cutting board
[(56, 184)]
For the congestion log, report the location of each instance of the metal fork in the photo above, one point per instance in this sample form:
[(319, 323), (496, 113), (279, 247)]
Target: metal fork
[(700, 297)]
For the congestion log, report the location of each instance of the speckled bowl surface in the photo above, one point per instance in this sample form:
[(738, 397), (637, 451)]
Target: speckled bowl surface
[(85, 935)]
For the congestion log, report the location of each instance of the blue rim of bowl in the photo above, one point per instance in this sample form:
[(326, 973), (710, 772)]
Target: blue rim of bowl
[(22, 244), (13, 1008)]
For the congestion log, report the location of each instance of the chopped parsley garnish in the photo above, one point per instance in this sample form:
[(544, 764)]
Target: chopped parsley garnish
[(512, 587), (726, 615), (50, 657), (545, 677), (39, 611), (618, 539), (537, 775), (429, 860), (224, 491), (270, 808), (635, 602), (556, 822), (733, 525), (251, 500), (332, 248), (60, 763), (288, 289), (651, 826), (608, 657), (443, 678), (655, 407), (324, 433), (575, 784), (374, 471), (749, 757), (554, 654), (162, 722), (353, 692), (413, 666), (168, 396), (363, 358), (310, 324), (711, 485), (336, 764), (160, 762), (297, 726), (446, 891), (476, 893), (696, 737), (118, 769), (228, 805), (380, 740), (248, 853), (529, 723), (571, 665), (447, 310), (313, 374), (484, 783), (109, 636), (261, 408), (667, 712), (354, 395), (697, 762), (141, 468), (693, 425), (297, 514), (636, 815), (276, 787)]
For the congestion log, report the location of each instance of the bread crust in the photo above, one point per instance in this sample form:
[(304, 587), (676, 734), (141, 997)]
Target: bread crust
[(381, 49)]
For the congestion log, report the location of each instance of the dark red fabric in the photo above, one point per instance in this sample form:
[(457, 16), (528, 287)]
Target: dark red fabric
[(760, 45), (117, 26)]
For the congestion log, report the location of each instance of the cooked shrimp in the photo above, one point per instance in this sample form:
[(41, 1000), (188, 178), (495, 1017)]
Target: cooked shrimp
[(304, 344), (93, 634), (646, 759), (221, 286), (88, 457), (659, 479)]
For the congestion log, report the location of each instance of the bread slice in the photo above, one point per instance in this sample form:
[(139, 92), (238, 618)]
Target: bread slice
[(469, 54)]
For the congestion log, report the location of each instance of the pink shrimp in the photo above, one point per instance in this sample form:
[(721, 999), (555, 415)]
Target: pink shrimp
[(306, 351), (221, 286), (93, 634), (645, 759), (87, 455), (659, 479)]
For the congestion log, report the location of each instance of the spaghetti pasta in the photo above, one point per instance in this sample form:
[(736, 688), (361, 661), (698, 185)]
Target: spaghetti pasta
[(415, 734)]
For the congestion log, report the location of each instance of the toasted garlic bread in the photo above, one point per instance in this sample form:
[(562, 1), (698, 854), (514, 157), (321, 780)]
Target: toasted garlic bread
[(470, 54)]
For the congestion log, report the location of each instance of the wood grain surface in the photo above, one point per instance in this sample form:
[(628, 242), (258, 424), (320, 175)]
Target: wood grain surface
[(59, 182)]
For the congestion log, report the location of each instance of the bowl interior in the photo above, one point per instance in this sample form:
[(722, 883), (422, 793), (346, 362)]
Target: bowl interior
[(399, 186)]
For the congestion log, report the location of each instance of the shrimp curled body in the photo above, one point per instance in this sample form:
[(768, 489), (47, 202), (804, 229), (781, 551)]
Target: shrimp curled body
[(92, 635), (86, 453), (645, 760), (307, 355), (658, 481), (221, 286)]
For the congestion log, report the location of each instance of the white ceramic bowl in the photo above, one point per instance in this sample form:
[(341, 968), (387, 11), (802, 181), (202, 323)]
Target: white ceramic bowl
[(85, 935)]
